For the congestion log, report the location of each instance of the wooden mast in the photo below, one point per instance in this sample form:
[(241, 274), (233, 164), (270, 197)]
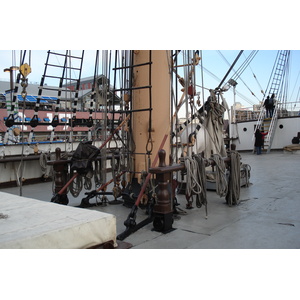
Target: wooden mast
[(160, 102)]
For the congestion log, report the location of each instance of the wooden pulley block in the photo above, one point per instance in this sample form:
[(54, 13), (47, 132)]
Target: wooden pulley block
[(126, 98), (181, 81), (36, 149), (117, 191), (16, 131), (123, 183), (144, 199), (191, 91)]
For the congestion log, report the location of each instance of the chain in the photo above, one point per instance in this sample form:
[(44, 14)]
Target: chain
[(25, 70), (24, 85)]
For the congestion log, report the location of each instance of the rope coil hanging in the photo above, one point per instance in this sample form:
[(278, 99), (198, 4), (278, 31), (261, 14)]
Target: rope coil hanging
[(221, 179), (234, 185), (196, 179)]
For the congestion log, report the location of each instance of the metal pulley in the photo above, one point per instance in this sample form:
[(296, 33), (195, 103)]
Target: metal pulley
[(25, 70), (24, 94), (117, 191), (10, 121), (34, 121), (197, 58)]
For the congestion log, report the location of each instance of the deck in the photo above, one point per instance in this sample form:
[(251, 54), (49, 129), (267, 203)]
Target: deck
[(268, 216)]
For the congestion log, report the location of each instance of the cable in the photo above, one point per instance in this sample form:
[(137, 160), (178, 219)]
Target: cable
[(261, 89), (238, 93), (241, 69)]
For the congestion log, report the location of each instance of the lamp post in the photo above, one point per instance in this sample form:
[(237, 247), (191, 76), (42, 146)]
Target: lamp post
[(233, 83), (10, 70), (11, 80)]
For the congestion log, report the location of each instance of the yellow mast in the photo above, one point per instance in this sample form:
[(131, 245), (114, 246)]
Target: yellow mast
[(160, 94)]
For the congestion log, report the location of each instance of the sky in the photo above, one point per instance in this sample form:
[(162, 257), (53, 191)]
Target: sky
[(225, 25), (215, 63)]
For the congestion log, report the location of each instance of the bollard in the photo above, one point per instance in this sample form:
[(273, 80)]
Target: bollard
[(163, 208), (60, 168)]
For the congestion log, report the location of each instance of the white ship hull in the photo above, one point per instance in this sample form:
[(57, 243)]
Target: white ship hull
[(242, 133)]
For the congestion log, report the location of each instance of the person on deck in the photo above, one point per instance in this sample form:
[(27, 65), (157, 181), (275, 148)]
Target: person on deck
[(271, 105), (259, 140), (267, 107)]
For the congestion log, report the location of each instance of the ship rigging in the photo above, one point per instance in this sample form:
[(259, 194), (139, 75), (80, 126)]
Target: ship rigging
[(130, 122)]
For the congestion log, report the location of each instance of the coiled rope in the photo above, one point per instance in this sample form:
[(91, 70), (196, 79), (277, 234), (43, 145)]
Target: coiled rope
[(79, 182), (202, 179), (196, 179), (88, 180), (192, 184), (43, 163), (233, 196), (221, 179), (246, 170), (76, 186)]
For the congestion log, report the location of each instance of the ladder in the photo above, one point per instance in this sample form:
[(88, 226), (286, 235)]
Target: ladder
[(74, 65), (278, 73), (12, 105), (127, 70), (269, 125)]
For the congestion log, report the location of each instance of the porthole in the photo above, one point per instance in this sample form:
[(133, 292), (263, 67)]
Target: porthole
[(280, 126), (245, 129)]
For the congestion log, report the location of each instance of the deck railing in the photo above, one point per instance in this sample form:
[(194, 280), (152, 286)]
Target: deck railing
[(290, 109)]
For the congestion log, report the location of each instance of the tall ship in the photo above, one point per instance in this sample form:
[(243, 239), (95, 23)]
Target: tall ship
[(140, 129), (282, 125)]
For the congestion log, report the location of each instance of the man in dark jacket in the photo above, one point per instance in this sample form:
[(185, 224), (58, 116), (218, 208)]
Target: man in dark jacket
[(267, 107)]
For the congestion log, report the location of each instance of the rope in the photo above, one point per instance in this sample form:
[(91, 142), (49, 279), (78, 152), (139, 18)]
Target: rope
[(233, 195), (196, 179), (192, 185), (87, 182), (46, 170), (221, 180), (97, 173), (218, 79), (246, 168), (76, 186), (201, 199), (149, 145), (43, 162)]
